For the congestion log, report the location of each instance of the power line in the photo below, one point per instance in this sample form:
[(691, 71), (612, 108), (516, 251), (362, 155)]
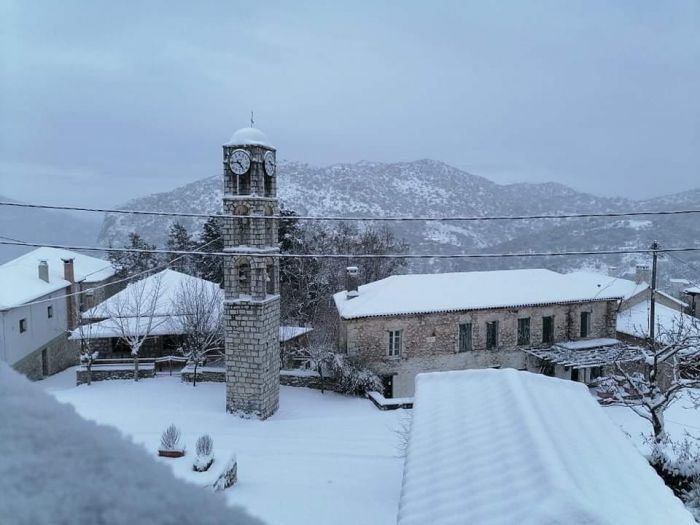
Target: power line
[(277, 255), (111, 283), (358, 218)]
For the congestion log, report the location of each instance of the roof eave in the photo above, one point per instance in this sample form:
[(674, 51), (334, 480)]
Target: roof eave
[(476, 309)]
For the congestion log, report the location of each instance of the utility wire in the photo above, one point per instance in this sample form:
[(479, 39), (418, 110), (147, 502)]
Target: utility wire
[(111, 283), (359, 218), (277, 255)]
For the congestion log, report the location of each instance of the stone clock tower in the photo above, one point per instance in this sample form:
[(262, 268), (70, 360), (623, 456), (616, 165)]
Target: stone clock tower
[(251, 282)]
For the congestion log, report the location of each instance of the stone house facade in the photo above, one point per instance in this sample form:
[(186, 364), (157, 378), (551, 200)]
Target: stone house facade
[(431, 341), (43, 292), (399, 345)]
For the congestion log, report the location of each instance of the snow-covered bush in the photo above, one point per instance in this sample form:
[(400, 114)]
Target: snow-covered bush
[(170, 440), (691, 498), (205, 453), (353, 378), (228, 476)]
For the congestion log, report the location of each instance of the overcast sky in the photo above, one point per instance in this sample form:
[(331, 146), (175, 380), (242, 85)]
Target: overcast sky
[(104, 101)]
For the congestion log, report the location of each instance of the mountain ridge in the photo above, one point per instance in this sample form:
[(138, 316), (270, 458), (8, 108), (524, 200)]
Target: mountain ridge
[(432, 188)]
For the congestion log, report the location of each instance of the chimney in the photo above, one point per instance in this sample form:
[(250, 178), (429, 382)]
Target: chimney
[(351, 282), (44, 270), (612, 271), (68, 271), (694, 306), (642, 274)]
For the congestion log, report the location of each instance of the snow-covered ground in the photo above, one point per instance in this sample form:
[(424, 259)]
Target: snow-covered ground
[(323, 458), (680, 418)]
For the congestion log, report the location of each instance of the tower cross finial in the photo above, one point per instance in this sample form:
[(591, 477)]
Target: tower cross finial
[(251, 119)]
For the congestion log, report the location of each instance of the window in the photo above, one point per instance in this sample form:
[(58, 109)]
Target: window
[(548, 329), (22, 325), (394, 343), (491, 334), (585, 324), (524, 331), (465, 337), (49, 311)]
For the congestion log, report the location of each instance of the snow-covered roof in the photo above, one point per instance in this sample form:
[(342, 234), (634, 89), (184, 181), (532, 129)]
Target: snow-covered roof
[(166, 284), (503, 447), (59, 468), (634, 321), (588, 353), (617, 285), (20, 282), (692, 290), (159, 325), (287, 333), (249, 137), (444, 292), (608, 284)]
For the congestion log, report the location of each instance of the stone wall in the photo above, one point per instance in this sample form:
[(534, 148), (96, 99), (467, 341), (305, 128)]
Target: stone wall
[(252, 356), (203, 376), (53, 357), (291, 378), (430, 341), (109, 373)]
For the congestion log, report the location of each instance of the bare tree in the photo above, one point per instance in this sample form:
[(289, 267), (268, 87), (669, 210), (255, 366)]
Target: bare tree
[(671, 366), (317, 355), (199, 314), (132, 313), (88, 355)]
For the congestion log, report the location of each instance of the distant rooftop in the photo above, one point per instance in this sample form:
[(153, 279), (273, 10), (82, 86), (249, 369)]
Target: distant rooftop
[(20, 282), (444, 292)]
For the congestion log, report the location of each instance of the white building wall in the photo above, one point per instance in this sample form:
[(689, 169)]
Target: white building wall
[(41, 329)]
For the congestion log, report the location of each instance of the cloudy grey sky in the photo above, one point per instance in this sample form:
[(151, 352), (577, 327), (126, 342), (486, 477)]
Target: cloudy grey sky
[(103, 101)]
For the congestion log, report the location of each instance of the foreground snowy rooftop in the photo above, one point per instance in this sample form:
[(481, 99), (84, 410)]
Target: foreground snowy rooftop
[(56, 467), (19, 278), (424, 293), (505, 447)]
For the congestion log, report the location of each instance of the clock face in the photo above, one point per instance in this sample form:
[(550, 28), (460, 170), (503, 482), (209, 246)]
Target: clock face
[(270, 164), (239, 161)]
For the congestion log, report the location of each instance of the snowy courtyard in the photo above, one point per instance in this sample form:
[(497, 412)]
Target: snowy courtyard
[(322, 458)]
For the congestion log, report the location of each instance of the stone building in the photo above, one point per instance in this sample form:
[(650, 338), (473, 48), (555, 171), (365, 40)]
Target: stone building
[(37, 306), (251, 275), (407, 324)]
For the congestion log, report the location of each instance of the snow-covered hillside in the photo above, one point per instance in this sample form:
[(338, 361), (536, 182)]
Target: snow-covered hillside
[(432, 188)]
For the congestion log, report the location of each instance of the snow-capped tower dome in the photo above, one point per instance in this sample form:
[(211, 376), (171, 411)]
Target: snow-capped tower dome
[(249, 137)]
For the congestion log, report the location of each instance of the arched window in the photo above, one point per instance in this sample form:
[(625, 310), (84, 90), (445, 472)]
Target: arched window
[(244, 278), (242, 230), (268, 185), (270, 279), (244, 183), (269, 227)]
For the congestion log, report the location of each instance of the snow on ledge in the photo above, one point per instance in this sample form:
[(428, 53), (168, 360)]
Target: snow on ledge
[(382, 403), (249, 137)]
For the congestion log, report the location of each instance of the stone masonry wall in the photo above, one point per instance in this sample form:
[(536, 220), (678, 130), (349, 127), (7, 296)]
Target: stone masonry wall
[(430, 341), (252, 367), (59, 354)]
